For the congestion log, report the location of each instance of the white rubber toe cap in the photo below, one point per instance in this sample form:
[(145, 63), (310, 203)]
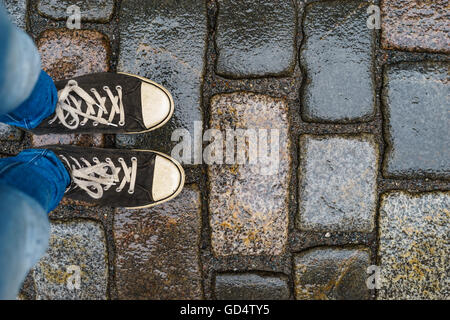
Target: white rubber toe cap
[(168, 179), (157, 105)]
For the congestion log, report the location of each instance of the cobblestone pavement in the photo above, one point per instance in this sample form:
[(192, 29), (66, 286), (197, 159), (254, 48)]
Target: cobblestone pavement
[(364, 174)]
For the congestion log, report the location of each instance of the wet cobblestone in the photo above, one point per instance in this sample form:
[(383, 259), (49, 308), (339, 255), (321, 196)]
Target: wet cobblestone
[(330, 273), (166, 42), (255, 38), (157, 249), (82, 140), (417, 120), (251, 286), (71, 53), (10, 133), (337, 55), (18, 10), (98, 11), (77, 255), (415, 25), (248, 207), (414, 245), (337, 178)]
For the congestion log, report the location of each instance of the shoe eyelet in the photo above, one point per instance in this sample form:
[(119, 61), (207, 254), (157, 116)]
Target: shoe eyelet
[(118, 87), (118, 190), (106, 88), (133, 159), (95, 159), (130, 191), (82, 123), (108, 159), (93, 90), (121, 123), (95, 124), (121, 159)]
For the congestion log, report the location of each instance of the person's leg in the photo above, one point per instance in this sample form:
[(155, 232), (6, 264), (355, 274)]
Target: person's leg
[(19, 64), (31, 185), (24, 232), (38, 106)]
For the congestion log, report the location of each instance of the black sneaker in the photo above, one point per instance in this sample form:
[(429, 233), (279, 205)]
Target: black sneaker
[(108, 103), (120, 178)]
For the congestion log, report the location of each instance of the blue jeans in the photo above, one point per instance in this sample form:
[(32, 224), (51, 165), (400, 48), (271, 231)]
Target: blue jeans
[(32, 183)]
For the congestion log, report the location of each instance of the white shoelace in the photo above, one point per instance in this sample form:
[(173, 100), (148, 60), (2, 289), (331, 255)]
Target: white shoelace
[(69, 106), (91, 177)]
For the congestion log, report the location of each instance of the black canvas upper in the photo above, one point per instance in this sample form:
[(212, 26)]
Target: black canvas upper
[(131, 97), (142, 195)]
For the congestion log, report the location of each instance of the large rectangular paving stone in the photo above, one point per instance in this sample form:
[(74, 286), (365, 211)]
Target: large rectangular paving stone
[(17, 10), (414, 246), (165, 41), (251, 286), (72, 53), (337, 183), (417, 120), (75, 266), (415, 25), (255, 38), (331, 273), (91, 10), (157, 249), (248, 202), (337, 55)]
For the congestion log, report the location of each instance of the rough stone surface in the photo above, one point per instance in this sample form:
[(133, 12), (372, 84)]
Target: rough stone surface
[(10, 133), (417, 120), (337, 179), (331, 274), (70, 53), (251, 286), (83, 140), (414, 246), (165, 41), (18, 11), (415, 25), (255, 38), (80, 244), (337, 55), (157, 253), (248, 202), (98, 11)]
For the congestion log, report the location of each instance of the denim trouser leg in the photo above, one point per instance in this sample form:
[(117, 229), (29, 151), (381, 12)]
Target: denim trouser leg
[(27, 94), (31, 185), (38, 106), (20, 64), (24, 233), (39, 174)]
